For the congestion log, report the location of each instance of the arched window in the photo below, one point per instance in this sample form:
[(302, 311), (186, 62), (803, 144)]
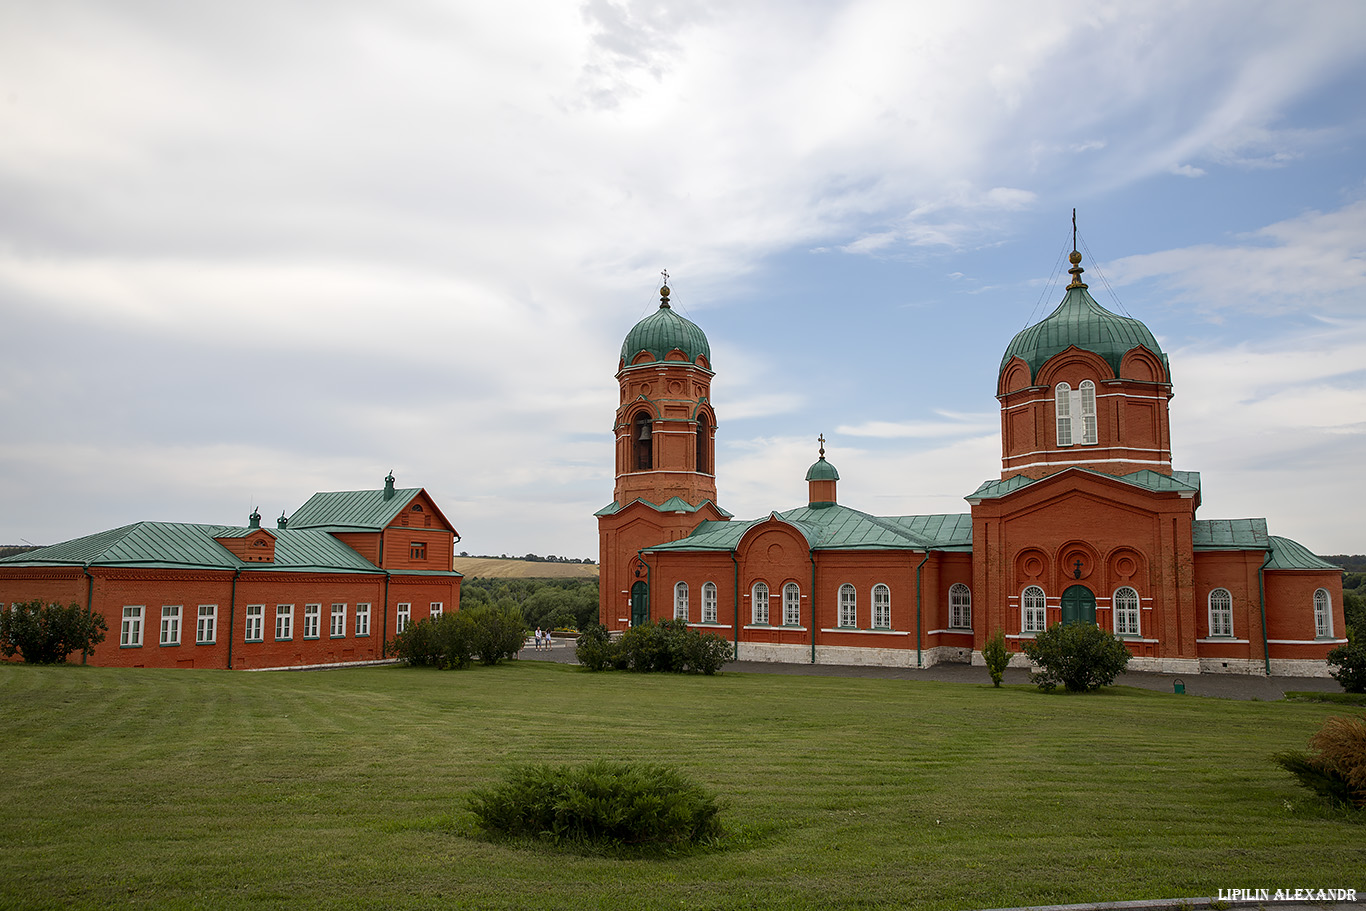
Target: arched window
[(1062, 410), (681, 601), (1032, 610), (642, 441), (759, 603), (1323, 614), (1220, 613), (703, 445), (792, 605), (1088, 412), (960, 606), (1126, 612), (848, 605), (882, 607), (709, 602)]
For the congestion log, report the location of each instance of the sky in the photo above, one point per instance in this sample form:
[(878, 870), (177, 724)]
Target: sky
[(254, 250)]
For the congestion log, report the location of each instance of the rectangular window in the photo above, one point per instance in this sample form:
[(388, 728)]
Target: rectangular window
[(312, 620), (418, 550), (170, 624), (130, 633), (437, 608), (1062, 410), (709, 603), (284, 622), (362, 619), (405, 613), (338, 621), (256, 623), (206, 632)]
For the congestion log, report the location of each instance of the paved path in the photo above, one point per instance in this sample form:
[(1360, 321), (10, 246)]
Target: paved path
[(1222, 686)]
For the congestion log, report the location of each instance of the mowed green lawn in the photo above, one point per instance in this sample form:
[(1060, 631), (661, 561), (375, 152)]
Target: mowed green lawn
[(342, 789)]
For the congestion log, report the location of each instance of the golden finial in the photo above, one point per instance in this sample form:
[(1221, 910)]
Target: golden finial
[(821, 439), (664, 291), (1075, 258)]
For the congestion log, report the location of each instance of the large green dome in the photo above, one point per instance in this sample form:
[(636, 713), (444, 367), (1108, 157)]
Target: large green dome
[(1082, 322), (662, 332)]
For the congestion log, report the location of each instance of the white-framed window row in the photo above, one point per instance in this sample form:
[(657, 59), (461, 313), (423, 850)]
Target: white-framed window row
[(256, 623), (206, 629), (362, 619), (792, 604), (848, 616), (960, 606), (1221, 614), (709, 602), (1033, 611), (681, 601), (1070, 404), (758, 598), (1323, 614), (405, 614), (130, 628), (337, 629), (1126, 613), (436, 609), (170, 624), (312, 620), (284, 622)]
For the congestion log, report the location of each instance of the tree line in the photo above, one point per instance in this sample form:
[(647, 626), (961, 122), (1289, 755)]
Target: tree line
[(544, 603)]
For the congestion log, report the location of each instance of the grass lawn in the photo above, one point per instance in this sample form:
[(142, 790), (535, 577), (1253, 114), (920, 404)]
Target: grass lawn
[(341, 789)]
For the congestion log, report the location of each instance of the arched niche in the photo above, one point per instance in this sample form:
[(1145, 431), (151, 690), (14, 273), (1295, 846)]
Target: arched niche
[(1143, 366)]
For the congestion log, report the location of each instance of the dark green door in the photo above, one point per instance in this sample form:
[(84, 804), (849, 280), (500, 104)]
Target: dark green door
[(1078, 605), (640, 604)]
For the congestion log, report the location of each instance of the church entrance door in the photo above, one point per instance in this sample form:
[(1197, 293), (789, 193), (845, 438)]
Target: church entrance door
[(640, 604), (1078, 605)]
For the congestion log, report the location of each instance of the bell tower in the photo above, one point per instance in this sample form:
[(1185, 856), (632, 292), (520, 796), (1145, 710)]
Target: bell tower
[(665, 428)]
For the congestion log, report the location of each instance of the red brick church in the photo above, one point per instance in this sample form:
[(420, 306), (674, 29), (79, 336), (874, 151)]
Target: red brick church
[(328, 586), (1087, 522)]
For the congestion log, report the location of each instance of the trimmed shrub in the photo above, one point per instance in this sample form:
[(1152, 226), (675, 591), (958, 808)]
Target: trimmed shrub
[(1349, 661), (1080, 656), (667, 646), (1336, 770), (46, 633), (499, 632), (607, 804), (996, 656), (454, 640), (594, 648)]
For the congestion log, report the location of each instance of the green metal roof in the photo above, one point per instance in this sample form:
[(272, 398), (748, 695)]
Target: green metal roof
[(1147, 479), (673, 504), (352, 510), (1229, 534), (662, 332), (1288, 554), (1082, 322), (838, 527), (822, 470)]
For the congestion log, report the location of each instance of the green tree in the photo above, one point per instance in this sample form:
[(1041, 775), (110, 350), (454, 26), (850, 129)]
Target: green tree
[(46, 633), (996, 656), (1081, 656)]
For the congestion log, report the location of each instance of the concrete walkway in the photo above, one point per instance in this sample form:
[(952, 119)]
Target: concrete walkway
[(1220, 686)]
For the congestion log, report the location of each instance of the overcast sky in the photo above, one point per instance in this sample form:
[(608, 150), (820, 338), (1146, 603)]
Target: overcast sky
[(253, 250)]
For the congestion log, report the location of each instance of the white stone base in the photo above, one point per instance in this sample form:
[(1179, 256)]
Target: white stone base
[(1165, 665), (854, 656), (1298, 667)]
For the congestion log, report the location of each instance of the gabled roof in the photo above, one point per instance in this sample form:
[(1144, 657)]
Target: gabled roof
[(838, 527), (1146, 479), (355, 510), (673, 504)]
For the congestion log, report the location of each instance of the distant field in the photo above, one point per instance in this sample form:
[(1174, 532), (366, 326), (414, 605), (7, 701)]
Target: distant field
[(345, 789), (521, 569)]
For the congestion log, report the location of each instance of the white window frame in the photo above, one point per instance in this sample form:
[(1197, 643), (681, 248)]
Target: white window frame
[(362, 619), (882, 607), (1033, 610), (284, 622), (848, 606), (337, 628), (960, 606), (170, 624), (1125, 607), (405, 615), (681, 601), (1221, 613), (709, 602), (206, 627), (758, 598), (130, 628), (313, 614), (1086, 402), (792, 604), (255, 624), (436, 609), (1323, 614), (1069, 404), (1062, 412)]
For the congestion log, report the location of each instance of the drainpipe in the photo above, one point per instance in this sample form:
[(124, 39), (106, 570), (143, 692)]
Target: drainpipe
[(89, 603), (1261, 596), (812, 554), (917, 607), (384, 615), (735, 649), (232, 614)]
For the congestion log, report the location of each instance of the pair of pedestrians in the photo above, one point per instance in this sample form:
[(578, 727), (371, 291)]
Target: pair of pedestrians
[(542, 640)]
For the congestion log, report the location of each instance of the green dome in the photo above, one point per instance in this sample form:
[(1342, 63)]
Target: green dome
[(1082, 322), (663, 331), (822, 470)]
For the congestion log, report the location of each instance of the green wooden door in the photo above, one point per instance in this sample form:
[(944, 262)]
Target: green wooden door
[(640, 604), (1078, 605)]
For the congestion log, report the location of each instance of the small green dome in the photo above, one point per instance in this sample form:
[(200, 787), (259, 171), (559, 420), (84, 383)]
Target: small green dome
[(662, 332), (822, 470), (1082, 322)]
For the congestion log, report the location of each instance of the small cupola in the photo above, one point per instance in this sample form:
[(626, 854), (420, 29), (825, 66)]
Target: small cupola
[(254, 520), (821, 478), (389, 486), (282, 522)]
